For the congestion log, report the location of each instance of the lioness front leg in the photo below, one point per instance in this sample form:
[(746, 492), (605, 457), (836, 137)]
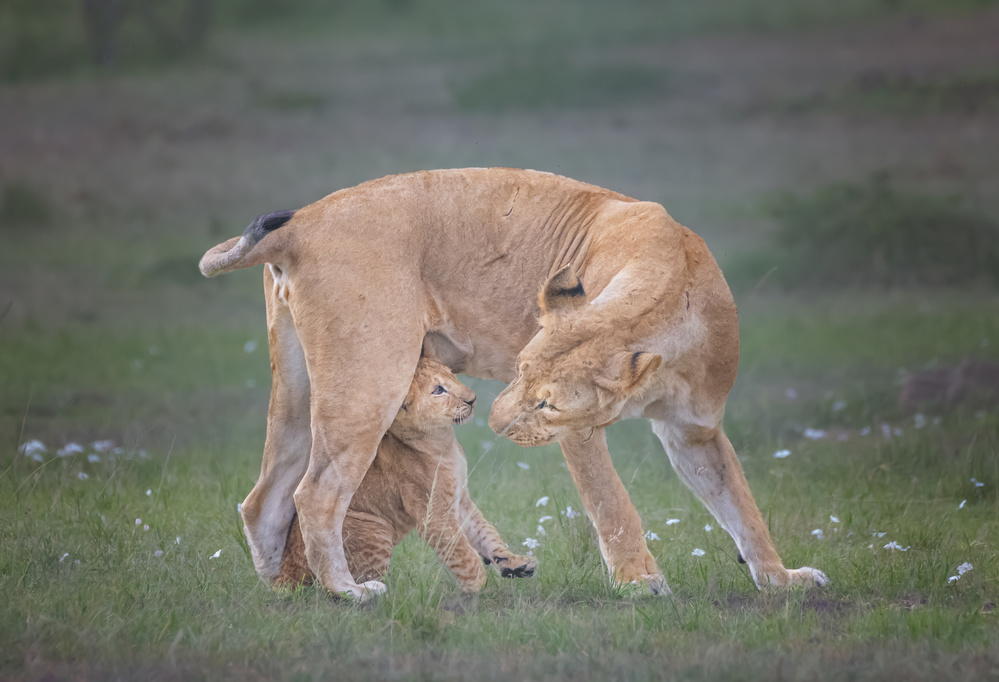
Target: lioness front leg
[(705, 460), (269, 508), (622, 543), (487, 542)]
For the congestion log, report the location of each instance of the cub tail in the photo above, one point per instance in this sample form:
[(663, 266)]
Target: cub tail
[(242, 252)]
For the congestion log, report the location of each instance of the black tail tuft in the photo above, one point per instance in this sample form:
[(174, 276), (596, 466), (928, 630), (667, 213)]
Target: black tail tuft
[(266, 224)]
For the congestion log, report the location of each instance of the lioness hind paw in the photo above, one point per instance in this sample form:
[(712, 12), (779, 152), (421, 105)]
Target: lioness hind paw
[(808, 577), (519, 567)]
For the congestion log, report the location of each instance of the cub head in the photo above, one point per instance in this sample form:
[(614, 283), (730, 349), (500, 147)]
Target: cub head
[(573, 375), (436, 399)]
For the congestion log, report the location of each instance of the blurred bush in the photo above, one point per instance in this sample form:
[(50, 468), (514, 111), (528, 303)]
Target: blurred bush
[(872, 234)]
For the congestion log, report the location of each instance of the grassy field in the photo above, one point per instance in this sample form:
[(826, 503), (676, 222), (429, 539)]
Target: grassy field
[(127, 560)]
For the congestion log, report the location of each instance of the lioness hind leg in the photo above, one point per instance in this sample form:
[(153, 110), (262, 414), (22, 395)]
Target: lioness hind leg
[(486, 540), (705, 460), (269, 508)]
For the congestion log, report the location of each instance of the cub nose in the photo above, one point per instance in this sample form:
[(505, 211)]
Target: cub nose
[(470, 403)]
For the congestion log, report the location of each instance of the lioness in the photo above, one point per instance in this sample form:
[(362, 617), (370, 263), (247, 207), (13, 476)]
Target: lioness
[(634, 319), (417, 480)]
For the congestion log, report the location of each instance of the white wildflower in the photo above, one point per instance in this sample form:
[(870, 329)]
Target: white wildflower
[(936, 421), (814, 434), (480, 422), (149, 492), (790, 394), (978, 484), (833, 519), (145, 526), (839, 406), (102, 446), (531, 543), (158, 553), (177, 541), (143, 454), (63, 557), (708, 528), (93, 459), (818, 533), (82, 476), (154, 350), (920, 421), (541, 530), (894, 545), (649, 535), (239, 507), (670, 522), (524, 465), (138, 363), (216, 555), (32, 447), (542, 502), (487, 446), (545, 518), (250, 346), (38, 457), (70, 449), (138, 522), (866, 431), (781, 454), (963, 502), (697, 552), (569, 513), (952, 579), (897, 431)]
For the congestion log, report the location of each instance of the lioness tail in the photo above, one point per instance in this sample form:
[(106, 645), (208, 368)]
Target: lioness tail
[(234, 253)]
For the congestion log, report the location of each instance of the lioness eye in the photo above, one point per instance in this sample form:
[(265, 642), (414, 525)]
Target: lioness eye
[(439, 390)]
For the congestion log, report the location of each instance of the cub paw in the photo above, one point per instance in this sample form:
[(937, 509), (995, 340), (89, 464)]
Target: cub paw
[(516, 566)]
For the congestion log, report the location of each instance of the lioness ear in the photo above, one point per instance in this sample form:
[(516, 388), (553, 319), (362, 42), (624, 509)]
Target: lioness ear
[(562, 292), (626, 373)]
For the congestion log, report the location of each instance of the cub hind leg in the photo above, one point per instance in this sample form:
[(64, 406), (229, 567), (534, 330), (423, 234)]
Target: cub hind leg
[(367, 546)]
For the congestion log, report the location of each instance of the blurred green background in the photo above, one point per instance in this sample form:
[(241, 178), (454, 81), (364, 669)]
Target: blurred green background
[(839, 158)]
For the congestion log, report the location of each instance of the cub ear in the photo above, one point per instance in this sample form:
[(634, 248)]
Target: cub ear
[(628, 372), (562, 292)]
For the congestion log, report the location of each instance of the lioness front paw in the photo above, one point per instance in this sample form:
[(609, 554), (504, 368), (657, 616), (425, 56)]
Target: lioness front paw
[(516, 566), (807, 577), (653, 584)]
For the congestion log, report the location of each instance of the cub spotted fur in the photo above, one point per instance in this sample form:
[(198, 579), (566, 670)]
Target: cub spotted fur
[(417, 480)]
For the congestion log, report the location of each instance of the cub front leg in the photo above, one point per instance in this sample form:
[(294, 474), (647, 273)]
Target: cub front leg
[(622, 542), (441, 531), (486, 540), (705, 460)]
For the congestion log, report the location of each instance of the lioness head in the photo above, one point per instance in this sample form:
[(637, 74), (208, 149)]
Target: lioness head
[(572, 375), (436, 399)]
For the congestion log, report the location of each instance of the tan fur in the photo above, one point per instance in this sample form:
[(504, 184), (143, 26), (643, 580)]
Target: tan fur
[(637, 322), (417, 481)]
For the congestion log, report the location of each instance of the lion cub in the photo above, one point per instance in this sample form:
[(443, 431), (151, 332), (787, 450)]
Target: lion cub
[(417, 480)]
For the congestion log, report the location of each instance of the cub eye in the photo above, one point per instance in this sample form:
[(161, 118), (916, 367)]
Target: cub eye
[(543, 404), (438, 390)]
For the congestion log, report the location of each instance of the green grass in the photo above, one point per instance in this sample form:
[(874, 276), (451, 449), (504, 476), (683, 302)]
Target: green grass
[(124, 611)]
